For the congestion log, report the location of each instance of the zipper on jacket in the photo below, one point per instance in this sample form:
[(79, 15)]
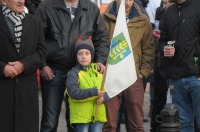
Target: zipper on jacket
[(179, 11), (177, 36)]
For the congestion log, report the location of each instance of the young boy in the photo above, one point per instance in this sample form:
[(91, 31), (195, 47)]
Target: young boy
[(83, 88)]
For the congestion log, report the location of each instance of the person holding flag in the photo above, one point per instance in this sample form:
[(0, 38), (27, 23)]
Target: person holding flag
[(129, 62), (83, 86)]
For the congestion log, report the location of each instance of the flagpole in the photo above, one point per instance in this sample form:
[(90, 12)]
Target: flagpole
[(102, 88), (104, 78)]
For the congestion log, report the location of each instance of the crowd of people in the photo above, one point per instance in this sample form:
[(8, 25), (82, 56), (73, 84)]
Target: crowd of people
[(69, 42)]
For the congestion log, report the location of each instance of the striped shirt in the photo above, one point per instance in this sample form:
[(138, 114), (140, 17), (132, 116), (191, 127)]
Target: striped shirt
[(72, 9)]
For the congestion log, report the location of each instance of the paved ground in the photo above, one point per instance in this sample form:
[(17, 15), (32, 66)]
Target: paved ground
[(62, 123)]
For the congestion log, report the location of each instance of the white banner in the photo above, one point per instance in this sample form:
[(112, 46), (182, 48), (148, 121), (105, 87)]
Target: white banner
[(121, 71)]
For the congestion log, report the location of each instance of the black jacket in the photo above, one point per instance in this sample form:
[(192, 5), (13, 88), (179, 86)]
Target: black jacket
[(61, 33), (159, 13), (181, 22)]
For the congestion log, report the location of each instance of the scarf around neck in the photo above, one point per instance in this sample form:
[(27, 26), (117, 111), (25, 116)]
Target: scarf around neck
[(17, 19)]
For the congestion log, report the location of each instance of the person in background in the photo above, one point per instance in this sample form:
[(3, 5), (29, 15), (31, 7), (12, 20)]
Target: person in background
[(143, 49), (142, 5), (151, 10), (64, 21), (159, 85), (181, 25), (84, 89), (23, 51), (31, 6)]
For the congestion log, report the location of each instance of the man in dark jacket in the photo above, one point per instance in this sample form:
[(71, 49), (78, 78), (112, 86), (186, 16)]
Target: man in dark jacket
[(181, 24), (64, 22)]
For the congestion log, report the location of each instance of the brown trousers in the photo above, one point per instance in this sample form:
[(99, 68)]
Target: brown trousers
[(133, 99)]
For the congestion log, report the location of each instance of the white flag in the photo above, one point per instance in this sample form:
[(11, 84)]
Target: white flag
[(121, 71)]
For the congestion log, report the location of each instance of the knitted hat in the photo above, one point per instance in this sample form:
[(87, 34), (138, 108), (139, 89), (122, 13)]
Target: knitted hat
[(84, 44)]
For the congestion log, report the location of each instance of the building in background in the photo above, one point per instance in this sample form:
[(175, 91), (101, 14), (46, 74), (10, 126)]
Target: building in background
[(102, 4)]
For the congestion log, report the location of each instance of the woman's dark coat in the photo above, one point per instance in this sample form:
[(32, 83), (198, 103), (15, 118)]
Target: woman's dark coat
[(19, 96)]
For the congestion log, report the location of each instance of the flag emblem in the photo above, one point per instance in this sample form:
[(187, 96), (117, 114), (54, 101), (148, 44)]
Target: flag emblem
[(119, 49)]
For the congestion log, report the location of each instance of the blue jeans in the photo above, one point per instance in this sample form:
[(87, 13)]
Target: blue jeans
[(52, 97), (186, 96), (89, 127)]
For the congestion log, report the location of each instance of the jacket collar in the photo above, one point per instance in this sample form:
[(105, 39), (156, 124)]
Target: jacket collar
[(135, 15), (4, 26), (113, 10), (183, 4), (84, 68), (60, 4)]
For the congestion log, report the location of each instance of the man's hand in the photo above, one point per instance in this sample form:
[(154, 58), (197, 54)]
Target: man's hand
[(156, 34), (47, 73), (18, 66), (169, 51), (9, 71), (101, 67)]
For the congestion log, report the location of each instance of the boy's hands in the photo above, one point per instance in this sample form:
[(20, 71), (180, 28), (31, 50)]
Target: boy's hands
[(100, 100), (100, 93), (100, 97)]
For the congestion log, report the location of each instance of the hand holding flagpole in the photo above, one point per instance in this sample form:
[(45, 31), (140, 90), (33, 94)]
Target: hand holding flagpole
[(120, 70)]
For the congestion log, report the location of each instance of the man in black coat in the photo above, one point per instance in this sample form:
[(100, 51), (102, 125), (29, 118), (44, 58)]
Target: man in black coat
[(22, 52)]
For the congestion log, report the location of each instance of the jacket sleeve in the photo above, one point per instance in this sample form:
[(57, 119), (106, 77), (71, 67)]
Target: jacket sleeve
[(75, 92), (100, 40), (148, 51), (106, 97), (38, 58), (164, 37), (2, 66), (41, 14)]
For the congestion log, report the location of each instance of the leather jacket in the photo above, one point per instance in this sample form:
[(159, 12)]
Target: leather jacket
[(61, 32)]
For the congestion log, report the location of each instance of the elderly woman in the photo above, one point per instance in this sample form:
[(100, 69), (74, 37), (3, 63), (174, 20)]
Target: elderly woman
[(22, 52)]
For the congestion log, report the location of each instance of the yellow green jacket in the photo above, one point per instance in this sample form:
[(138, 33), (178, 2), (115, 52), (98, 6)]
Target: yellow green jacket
[(82, 87)]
